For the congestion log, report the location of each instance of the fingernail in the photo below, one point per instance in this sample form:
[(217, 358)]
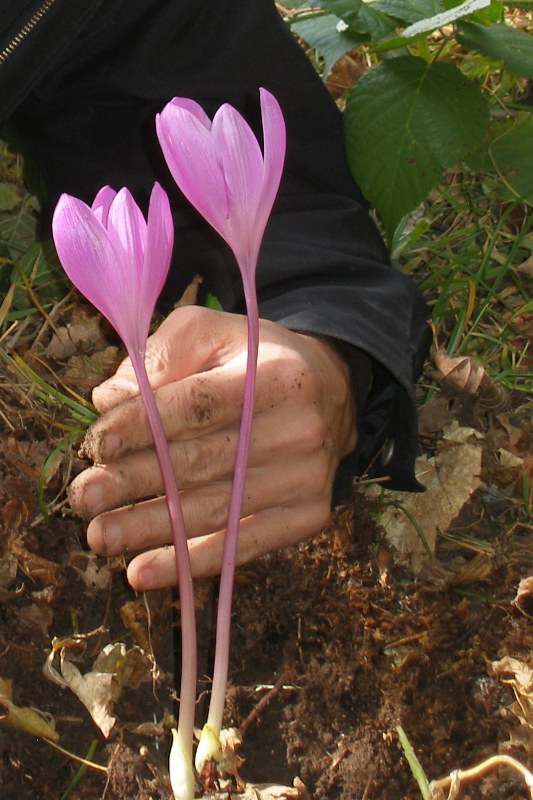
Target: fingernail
[(112, 536), (110, 446), (94, 497), (147, 577)]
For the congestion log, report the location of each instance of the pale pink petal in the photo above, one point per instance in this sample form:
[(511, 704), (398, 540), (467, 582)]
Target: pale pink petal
[(274, 144), (242, 167), (192, 159), (88, 256), (101, 203), (158, 250), (126, 227)]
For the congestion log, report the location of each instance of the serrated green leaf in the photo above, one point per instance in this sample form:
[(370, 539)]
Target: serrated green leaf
[(324, 36), (494, 13), (508, 152), (9, 196), (42, 273), (406, 121), (18, 230), (500, 41), (344, 9), (409, 10)]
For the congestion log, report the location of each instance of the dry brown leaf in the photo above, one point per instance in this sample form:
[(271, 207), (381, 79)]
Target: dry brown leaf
[(465, 388), (524, 597), (114, 668), (34, 566), (526, 267), (82, 333), (23, 718), (450, 478), (93, 572), (519, 675), (262, 791)]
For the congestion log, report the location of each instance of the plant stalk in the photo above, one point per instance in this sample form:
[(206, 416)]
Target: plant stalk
[(183, 566), (222, 647)]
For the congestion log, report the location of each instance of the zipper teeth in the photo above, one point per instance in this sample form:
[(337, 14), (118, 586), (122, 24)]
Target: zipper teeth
[(25, 30)]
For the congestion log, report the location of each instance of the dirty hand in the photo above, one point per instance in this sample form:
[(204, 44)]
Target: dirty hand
[(304, 424)]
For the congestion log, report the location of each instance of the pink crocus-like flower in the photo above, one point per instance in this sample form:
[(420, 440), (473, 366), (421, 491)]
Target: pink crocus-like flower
[(120, 261), (115, 257), (219, 167)]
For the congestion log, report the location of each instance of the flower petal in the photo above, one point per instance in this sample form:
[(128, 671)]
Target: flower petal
[(101, 203), (241, 162), (126, 227), (158, 250), (88, 256), (184, 134), (274, 145)]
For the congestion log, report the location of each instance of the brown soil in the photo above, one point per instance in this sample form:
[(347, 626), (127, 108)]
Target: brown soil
[(353, 642)]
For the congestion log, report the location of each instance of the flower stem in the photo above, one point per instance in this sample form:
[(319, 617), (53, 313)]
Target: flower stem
[(222, 646), (183, 566)]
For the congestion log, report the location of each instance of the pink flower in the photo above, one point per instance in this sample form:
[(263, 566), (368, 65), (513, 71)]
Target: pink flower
[(221, 170), (120, 261), (115, 257)]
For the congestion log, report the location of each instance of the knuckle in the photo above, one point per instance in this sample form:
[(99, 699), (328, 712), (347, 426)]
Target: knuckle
[(210, 510)]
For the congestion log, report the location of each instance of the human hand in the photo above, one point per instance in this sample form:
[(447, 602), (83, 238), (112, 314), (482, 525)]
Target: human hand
[(304, 423)]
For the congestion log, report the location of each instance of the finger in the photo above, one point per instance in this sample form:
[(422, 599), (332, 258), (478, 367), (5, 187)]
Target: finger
[(199, 404), (208, 458), (268, 530), (190, 340), (146, 524)]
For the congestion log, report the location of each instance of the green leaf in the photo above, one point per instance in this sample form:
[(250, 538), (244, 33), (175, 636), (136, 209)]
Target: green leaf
[(374, 22), (409, 10), (9, 196), (41, 269), (324, 36), (509, 153), (494, 13), (18, 230), (347, 10), (512, 46), (406, 121), (446, 17)]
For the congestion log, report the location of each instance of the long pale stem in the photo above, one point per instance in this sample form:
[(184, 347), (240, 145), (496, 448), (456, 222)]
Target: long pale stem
[(183, 566), (222, 647)]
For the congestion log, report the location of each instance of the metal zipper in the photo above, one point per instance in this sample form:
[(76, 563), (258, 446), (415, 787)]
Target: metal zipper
[(25, 30)]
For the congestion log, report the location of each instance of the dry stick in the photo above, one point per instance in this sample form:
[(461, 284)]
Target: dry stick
[(254, 713), (79, 759), (481, 769)]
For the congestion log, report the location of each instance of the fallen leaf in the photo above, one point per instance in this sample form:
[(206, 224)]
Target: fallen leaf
[(23, 718), (450, 478), (465, 390), (524, 597), (114, 668), (519, 675), (92, 570)]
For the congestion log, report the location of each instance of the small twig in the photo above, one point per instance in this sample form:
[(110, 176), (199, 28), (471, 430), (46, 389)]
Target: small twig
[(454, 779), (254, 713), (74, 757)]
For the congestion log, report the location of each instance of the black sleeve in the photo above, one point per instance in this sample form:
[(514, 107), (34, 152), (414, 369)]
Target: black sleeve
[(323, 267)]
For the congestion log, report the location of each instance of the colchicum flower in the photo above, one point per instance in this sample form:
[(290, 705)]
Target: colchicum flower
[(219, 167), (120, 261)]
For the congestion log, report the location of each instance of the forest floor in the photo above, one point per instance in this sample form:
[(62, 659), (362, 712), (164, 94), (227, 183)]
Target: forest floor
[(338, 645)]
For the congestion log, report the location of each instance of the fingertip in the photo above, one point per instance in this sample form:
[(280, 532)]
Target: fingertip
[(113, 391), (152, 570)]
